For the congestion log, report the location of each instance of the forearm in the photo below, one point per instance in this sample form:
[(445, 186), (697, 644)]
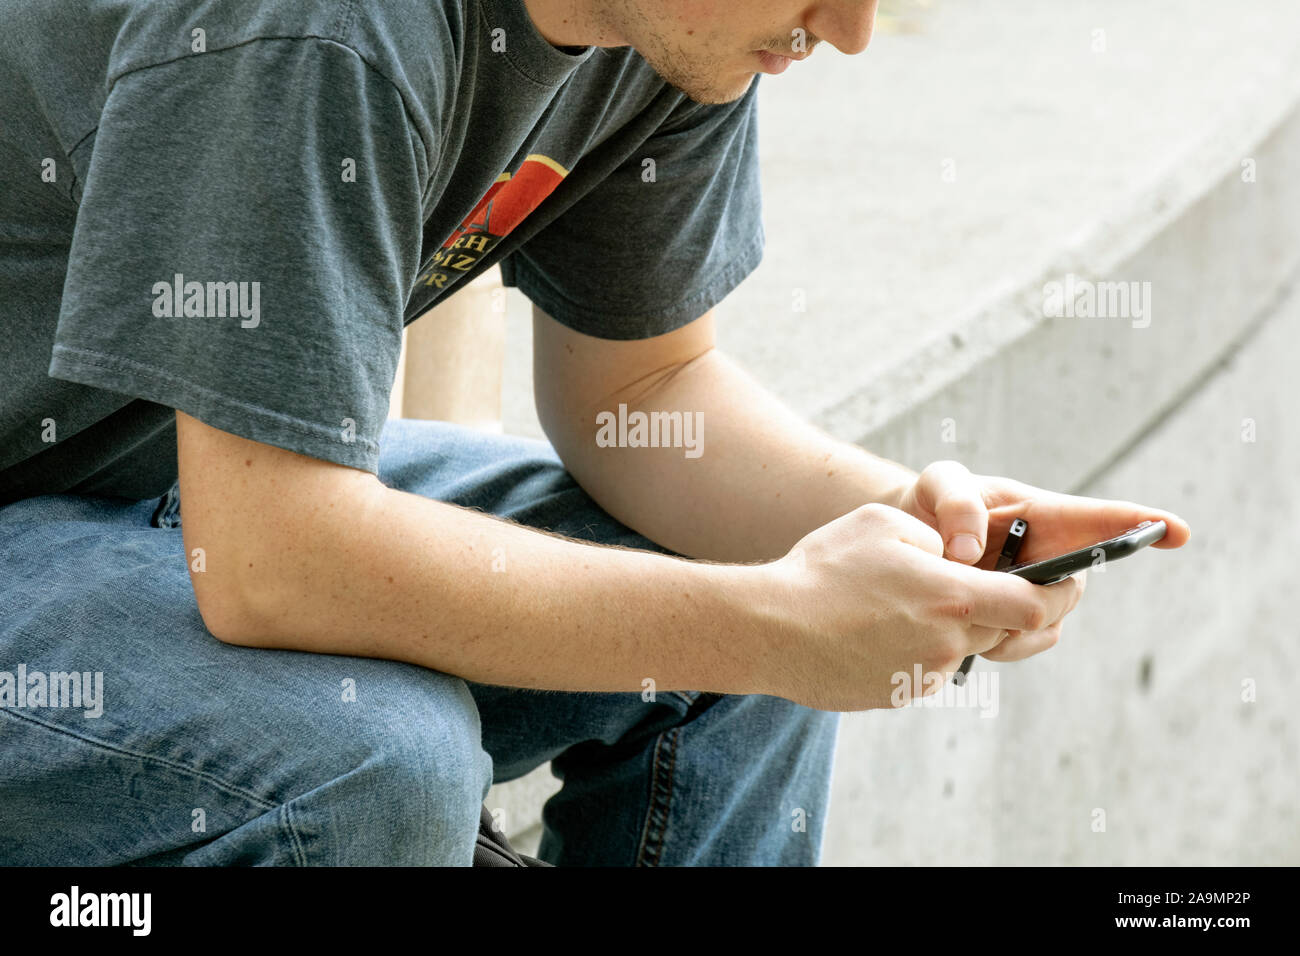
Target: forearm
[(764, 477), (398, 576)]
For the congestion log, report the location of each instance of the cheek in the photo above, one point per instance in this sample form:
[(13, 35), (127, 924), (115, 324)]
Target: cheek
[(697, 23)]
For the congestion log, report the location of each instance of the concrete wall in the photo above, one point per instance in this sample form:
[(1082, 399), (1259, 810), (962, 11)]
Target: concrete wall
[(1139, 711)]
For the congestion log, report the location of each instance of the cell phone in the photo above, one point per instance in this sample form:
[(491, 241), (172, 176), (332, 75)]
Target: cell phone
[(1051, 570), (1059, 568)]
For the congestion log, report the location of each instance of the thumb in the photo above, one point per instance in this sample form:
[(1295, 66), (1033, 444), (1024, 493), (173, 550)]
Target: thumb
[(952, 494)]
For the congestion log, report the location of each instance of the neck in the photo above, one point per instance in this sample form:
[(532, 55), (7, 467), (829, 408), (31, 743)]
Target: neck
[(570, 23)]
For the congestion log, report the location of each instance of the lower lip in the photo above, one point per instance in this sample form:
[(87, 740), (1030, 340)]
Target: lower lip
[(773, 63)]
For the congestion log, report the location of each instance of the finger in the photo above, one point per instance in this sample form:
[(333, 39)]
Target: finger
[(1017, 645), (1098, 519), (985, 639), (1023, 644), (1082, 578), (952, 494), (1001, 600)]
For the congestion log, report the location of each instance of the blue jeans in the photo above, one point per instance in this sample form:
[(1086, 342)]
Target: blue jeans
[(205, 753)]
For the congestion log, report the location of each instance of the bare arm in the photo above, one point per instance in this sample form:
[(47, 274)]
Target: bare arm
[(766, 480), (307, 555), (765, 477)]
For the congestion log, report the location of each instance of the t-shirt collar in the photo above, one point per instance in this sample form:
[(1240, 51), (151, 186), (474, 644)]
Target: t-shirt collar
[(529, 51)]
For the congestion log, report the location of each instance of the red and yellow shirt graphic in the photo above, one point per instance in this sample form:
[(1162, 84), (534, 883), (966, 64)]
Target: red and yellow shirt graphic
[(505, 205)]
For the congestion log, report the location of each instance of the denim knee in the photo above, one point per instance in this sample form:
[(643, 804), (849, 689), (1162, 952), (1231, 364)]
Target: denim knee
[(398, 780)]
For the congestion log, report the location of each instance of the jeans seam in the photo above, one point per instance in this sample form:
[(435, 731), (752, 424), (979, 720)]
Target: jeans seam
[(286, 823), (655, 829), (169, 764)]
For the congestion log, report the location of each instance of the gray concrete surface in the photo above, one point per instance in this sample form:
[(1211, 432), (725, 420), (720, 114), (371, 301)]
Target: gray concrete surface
[(1054, 147), (919, 197), (1139, 710)]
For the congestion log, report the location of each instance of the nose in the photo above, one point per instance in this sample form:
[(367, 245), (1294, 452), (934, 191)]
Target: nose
[(844, 24)]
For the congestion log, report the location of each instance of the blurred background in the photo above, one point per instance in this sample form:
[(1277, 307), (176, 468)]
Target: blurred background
[(923, 203)]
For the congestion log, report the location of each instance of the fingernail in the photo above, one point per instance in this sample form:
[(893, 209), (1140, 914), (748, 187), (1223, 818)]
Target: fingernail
[(965, 547)]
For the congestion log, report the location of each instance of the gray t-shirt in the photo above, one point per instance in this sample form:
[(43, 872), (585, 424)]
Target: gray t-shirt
[(233, 209)]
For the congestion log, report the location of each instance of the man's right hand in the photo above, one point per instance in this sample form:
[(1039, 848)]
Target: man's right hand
[(870, 595)]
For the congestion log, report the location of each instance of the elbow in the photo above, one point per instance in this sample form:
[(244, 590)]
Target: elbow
[(226, 610), (568, 433), (228, 624)]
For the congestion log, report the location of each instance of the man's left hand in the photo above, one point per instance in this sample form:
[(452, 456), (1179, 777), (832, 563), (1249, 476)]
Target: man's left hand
[(969, 511)]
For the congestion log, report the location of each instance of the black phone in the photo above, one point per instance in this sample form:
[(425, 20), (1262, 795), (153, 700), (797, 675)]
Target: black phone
[(1051, 570)]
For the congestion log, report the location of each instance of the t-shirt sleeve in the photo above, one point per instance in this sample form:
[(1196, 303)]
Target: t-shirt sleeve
[(249, 229), (661, 240)]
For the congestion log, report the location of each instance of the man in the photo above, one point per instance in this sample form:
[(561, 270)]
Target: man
[(216, 220)]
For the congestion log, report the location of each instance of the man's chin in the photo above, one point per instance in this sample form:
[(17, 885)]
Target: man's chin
[(716, 93)]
